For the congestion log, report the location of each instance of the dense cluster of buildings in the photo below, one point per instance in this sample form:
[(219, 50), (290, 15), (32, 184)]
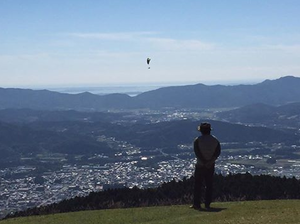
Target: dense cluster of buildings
[(72, 180), (22, 188), (79, 180)]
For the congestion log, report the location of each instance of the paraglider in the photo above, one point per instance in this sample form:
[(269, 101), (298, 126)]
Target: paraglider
[(148, 62)]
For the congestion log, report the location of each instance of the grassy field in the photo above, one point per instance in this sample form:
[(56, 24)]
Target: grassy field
[(251, 212)]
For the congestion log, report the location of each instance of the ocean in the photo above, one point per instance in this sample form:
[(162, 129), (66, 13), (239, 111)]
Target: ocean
[(129, 89)]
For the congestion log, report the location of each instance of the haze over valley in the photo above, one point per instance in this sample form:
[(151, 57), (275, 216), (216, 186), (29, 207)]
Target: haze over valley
[(56, 146)]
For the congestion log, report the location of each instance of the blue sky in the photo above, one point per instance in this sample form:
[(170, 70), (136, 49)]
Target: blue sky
[(94, 42)]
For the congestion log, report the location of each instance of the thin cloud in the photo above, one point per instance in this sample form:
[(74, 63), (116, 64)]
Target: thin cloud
[(173, 44), (286, 48), (31, 57), (127, 36), (169, 44), (273, 49)]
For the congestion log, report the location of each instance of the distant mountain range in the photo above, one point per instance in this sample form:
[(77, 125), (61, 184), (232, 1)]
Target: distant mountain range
[(31, 116), (287, 115), (76, 133), (171, 134), (161, 134), (273, 92)]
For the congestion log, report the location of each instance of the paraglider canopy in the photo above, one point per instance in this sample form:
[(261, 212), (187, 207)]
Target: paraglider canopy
[(148, 62)]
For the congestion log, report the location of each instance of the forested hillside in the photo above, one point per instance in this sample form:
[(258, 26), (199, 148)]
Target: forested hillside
[(227, 188)]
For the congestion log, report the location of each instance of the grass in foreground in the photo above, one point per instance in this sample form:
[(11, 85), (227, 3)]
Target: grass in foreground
[(251, 212)]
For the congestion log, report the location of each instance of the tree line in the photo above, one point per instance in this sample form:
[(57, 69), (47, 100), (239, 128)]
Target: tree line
[(237, 187)]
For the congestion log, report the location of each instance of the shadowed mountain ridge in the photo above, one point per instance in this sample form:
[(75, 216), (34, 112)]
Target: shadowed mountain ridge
[(274, 92)]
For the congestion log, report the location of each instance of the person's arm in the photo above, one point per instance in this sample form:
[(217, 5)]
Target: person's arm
[(218, 151), (214, 157), (197, 151)]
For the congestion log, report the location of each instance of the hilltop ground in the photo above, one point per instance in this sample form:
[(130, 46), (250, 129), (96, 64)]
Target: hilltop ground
[(251, 212)]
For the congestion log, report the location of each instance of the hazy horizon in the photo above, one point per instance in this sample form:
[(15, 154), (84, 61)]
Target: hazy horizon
[(128, 84), (131, 89)]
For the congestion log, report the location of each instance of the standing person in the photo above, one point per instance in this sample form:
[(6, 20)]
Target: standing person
[(207, 149)]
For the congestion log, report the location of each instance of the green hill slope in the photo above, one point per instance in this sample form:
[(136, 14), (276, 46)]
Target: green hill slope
[(250, 212)]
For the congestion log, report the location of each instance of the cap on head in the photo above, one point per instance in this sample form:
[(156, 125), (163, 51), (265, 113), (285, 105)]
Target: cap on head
[(204, 127)]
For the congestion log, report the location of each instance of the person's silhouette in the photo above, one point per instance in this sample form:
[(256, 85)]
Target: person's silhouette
[(207, 149)]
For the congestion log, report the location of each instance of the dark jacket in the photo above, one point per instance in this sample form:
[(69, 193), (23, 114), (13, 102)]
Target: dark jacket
[(207, 149)]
